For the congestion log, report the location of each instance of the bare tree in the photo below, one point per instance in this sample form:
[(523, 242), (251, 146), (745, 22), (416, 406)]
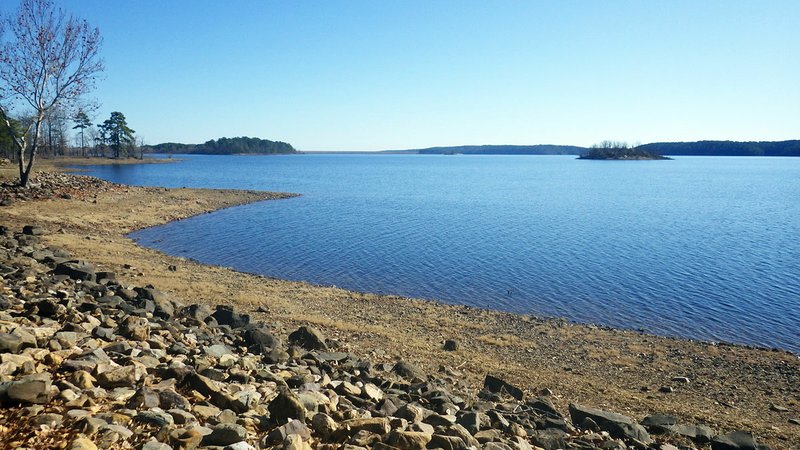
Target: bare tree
[(141, 145), (49, 61)]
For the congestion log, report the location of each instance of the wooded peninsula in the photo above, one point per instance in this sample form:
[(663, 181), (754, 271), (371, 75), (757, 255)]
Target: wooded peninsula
[(226, 146), (699, 148)]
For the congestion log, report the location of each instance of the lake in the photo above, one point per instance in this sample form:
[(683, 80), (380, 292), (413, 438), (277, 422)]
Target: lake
[(698, 247)]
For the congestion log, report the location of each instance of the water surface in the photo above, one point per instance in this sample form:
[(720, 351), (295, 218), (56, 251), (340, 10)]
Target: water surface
[(698, 247)]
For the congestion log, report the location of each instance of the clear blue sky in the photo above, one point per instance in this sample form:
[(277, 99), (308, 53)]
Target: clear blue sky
[(370, 75)]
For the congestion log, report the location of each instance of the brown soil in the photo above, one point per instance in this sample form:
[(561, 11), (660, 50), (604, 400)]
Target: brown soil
[(730, 388)]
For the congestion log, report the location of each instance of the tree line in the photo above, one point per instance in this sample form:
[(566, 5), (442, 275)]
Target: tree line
[(226, 146), (111, 138), (725, 148)]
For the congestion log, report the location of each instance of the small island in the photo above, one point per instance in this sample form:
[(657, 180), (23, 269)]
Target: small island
[(227, 146), (610, 150)]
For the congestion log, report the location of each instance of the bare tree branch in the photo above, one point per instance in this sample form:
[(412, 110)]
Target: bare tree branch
[(48, 61)]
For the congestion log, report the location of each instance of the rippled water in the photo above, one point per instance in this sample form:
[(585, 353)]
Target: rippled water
[(705, 248)]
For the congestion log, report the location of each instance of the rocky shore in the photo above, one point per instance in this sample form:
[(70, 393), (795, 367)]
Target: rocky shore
[(154, 320), (88, 362)]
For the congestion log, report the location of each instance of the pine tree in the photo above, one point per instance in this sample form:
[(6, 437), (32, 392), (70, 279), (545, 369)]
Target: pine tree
[(82, 122), (118, 134)]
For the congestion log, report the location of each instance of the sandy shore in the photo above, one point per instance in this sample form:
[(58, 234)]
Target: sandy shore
[(730, 387)]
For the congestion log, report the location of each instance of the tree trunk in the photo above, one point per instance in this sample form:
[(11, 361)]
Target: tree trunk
[(24, 175)]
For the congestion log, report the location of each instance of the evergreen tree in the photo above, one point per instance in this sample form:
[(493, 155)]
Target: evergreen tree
[(82, 122), (117, 133)]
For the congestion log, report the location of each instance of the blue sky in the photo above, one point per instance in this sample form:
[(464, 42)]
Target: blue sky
[(367, 75)]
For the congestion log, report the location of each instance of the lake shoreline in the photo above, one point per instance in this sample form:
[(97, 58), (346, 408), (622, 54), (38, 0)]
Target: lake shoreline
[(731, 386)]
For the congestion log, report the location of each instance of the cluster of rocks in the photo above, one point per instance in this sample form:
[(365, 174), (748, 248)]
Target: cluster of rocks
[(50, 185), (87, 362)]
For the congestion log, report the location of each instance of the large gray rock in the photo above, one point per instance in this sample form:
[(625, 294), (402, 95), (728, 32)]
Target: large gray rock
[(10, 343), (408, 371), (136, 328), (196, 312), (225, 315), (31, 389), (617, 425), (500, 386), (259, 339), (665, 424), (738, 440), (286, 406), (164, 306), (76, 271), (660, 423), (697, 433), (32, 230), (309, 338), (551, 439)]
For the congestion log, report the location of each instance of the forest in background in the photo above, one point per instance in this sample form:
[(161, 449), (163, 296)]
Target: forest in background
[(226, 146)]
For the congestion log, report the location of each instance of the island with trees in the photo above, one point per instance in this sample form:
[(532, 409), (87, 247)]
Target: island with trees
[(227, 146), (621, 151)]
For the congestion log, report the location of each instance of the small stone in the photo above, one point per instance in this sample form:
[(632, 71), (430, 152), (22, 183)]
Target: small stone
[(155, 416), (186, 439), (450, 345), (794, 421), (82, 443), (49, 420), (683, 380), (408, 440), (778, 408), (279, 434), (411, 413), (218, 351), (348, 388), (226, 416), (323, 425), (136, 328), (372, 392), (239, 446), (295, 442), (666, 389), (82, 379), (182, 417), (144, 398), (155, 445), (125, 376), (376, 425), (225, 434), (205, 412)]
